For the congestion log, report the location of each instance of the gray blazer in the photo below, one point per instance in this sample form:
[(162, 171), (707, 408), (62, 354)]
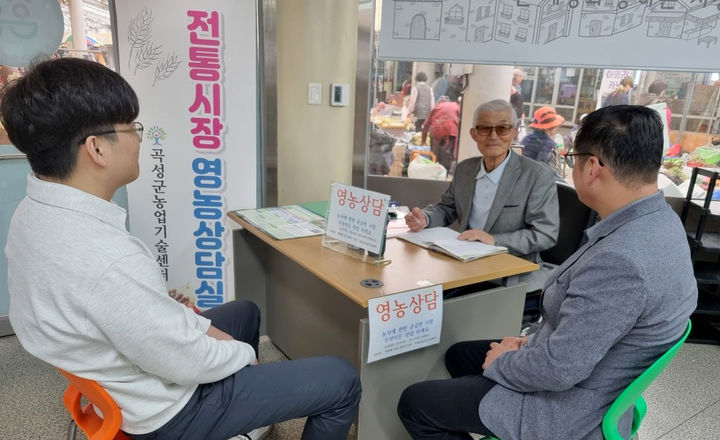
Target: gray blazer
[(610, 310), (524, 214)]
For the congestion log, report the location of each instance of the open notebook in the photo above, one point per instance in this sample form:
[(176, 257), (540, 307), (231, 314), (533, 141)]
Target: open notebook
[(445, 240)]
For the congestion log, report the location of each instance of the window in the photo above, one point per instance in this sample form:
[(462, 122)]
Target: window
[(524, 15), (625, 19), (507, 11), (521, 34), (504, 30)]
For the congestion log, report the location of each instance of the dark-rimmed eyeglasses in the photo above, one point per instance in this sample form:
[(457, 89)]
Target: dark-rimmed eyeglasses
[(137, 128), (500, 130), (570, 161)]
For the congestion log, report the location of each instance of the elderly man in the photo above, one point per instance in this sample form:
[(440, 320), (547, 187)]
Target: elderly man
[(610, 310), (500, 198)]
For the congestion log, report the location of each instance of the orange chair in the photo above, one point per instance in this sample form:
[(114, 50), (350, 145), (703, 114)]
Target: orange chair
[(95, 427)]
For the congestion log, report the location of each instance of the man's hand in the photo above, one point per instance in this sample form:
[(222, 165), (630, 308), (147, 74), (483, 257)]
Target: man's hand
[(218, 334), (415, 220), (179, 297), (514, 343), (477, 235), (496, 349)]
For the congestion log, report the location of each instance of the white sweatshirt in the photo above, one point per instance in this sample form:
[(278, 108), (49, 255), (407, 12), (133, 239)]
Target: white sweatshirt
[(88, 297)]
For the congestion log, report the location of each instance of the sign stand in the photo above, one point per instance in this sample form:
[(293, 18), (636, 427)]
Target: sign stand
[(357, 223), (354, 251)]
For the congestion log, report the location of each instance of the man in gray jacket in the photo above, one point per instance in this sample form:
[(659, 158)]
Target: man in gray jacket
[(500, 198), (609, 311)]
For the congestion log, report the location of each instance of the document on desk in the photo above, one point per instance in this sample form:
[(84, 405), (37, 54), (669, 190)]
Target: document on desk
[(445, 240), (285, 222)]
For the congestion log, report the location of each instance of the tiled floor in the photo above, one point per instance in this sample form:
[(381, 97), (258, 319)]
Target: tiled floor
[(683, 403)]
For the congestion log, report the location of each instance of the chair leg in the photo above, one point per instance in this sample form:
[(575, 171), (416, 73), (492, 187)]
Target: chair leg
[(72, 430)]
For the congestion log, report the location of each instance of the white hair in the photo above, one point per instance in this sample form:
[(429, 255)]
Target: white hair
[(496, 106)]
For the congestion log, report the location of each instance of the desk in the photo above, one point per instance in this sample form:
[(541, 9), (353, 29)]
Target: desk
[(313, 304)]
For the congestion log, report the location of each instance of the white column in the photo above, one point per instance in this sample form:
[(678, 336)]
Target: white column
[(485, 84), (77, 24)]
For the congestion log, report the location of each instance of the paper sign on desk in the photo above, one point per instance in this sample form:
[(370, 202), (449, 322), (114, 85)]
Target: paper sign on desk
[(404, 322), (357, 216)]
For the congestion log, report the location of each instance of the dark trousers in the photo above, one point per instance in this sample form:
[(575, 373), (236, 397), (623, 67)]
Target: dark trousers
[(324, 389), (448, 409)]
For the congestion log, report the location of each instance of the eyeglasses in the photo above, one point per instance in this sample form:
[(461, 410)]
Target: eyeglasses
[(500, 130), (137, 128), (571, 162)]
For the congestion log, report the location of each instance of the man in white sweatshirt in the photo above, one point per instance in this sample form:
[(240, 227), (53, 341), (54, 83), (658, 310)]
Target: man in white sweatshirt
[(88, 297)]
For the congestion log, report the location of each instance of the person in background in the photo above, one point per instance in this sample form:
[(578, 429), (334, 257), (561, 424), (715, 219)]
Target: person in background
[(88, 297), (439, 86), (609, 311), (421, 99), (621, 95), (539, 144), (516, 96), (656, 94), (443, 124), (500, 198)]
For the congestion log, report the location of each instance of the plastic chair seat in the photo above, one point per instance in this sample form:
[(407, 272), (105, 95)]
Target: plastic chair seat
[(632, 395), (95, 427)]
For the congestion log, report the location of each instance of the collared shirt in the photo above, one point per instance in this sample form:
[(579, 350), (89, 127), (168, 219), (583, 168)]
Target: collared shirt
[(486, 185), (89, 298)]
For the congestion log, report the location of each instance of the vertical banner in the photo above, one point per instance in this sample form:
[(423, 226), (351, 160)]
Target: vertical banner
[(193, 66)]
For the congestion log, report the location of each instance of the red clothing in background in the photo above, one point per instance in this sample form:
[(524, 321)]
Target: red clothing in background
[(443, 120)]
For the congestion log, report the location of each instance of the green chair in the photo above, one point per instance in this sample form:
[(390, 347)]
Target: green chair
[(632, 395)]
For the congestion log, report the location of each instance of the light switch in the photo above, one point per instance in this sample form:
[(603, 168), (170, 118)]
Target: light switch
[(314, 93)]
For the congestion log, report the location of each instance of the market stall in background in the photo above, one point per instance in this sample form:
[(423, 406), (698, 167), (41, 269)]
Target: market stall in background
[(692, 98)]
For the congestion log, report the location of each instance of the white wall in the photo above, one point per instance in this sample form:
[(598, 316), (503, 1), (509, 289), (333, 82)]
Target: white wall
[(316, 42)]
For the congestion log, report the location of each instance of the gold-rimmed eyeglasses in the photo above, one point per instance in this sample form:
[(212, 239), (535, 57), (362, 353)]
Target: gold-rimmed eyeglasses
[(500, 130), (137, 128)]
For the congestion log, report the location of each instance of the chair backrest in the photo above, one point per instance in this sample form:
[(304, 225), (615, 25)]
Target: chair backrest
[(95, 427), (632, 395), (575, 217), (696, 239)]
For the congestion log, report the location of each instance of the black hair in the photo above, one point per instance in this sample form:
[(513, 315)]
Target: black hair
[(420, 77), (58, 103), (627, 138)]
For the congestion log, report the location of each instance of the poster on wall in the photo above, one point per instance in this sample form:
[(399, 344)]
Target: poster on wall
[(193, 66), (647, 34)]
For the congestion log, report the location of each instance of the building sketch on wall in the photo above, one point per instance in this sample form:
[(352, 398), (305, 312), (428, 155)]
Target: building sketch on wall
[(602, 18), (575, 32), (683, 19), (456, 15), (417, 19)]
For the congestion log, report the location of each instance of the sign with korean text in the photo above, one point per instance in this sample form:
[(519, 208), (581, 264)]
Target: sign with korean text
[(29, 29), (193, 66), (640, 34), (404, 322), (357, 217)]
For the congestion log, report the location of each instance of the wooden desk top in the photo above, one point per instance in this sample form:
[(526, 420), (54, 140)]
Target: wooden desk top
[(410, 264)]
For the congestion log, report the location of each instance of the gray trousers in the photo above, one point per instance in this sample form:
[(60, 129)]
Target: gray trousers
[(324, 389)]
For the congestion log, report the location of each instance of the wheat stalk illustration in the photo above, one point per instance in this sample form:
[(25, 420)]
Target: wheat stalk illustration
[(166, 68), (145, 56), (139, 32)]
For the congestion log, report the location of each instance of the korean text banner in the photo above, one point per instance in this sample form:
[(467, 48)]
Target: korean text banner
[(647, 34), (193, 66)]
